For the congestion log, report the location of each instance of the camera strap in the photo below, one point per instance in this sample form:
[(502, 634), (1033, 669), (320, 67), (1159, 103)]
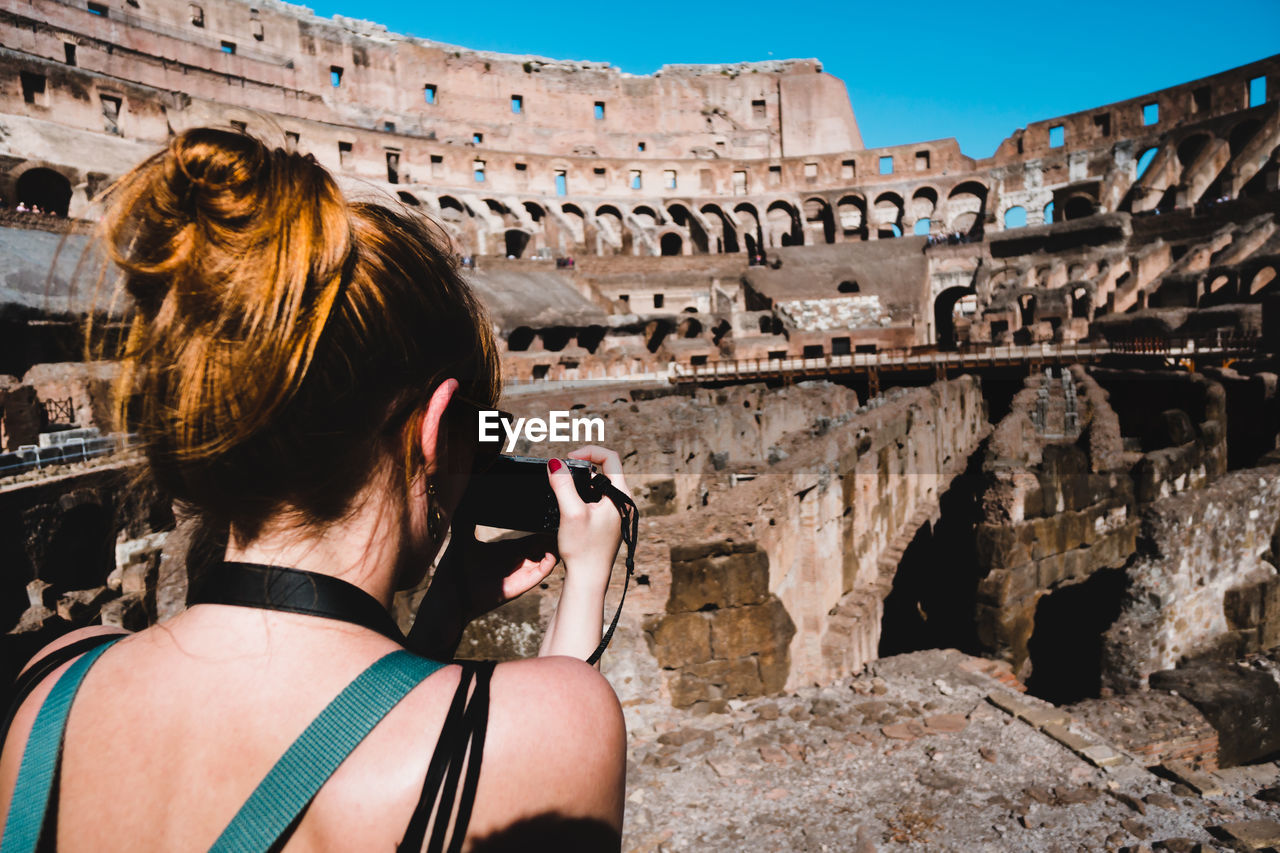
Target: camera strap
[(630, 535)]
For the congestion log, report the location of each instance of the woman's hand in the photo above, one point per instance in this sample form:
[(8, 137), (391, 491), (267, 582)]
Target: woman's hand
[(473, 578), (588, 541)]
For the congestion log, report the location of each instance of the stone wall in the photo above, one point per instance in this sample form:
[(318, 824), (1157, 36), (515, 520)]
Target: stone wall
[(1058, 506), (1204, 579)]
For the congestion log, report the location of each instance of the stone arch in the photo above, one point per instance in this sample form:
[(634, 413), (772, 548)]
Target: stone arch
[(517, 240), (452, 210), (690, 327), (1081, 302), (726, 235), (520, 339), (1078, 207), (784, 224), (889, 209), (966, 205), (44, 188), (576, 221), (752, 232), (536, 211), (1144, 161), (1015, 216), (408, 198), (851, 213), (1261, 279), (1189, 149), (1242, 134), (647, 215), (944, 323), (924, 201), (681, 216), (848, 287), (671, 243), (818, 217)]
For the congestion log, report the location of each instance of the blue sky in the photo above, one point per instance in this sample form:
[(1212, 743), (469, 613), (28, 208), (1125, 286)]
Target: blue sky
[(915, 71)]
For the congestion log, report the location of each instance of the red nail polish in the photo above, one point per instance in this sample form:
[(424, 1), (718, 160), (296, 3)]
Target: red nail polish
[(553, 465)]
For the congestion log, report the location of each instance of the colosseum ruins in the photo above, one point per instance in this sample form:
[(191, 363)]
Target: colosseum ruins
[(906, 427)]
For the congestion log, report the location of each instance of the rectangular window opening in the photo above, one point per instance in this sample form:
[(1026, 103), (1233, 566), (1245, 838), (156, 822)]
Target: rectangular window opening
[(886, 165), (705, 180), (99, 9), (740, 183), (111, 114), (344, 154), (393, 166), (228, 47), (477, 138), (812, 351), (758, 109), (669, 179), (777, 354), (256, 28), (292, 137), (636, 180), (601, 178), (775, 175), (640, 147), (1201, 99), (477, 171), (599, 109), (1102, 124), (658, 300), (811, 172), (697, 360), (33, 88), (437, 165), (522, 167), (69, 53), (197, 15), (562, 182), (1151, 113), (922, 161), (1257, 91), (1057, 136), (335, 75), (389, 126), (429, 93), (848, 169), (517, 104), (840, 346)]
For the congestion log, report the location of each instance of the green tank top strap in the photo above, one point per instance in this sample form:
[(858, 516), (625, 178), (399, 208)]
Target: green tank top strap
[(309, 762), (280, 797), (40, 759)]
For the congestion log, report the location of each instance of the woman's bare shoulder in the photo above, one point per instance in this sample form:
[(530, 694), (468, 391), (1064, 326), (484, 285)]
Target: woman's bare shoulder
[(72, 637), (556, 743)]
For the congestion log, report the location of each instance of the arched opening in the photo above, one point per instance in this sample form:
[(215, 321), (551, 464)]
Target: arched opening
[(1144, 161), (727, 236), (921, 228), (517, 241), (451, 209), (655, 333), (1027, 309), (966, 205), (409, 198), (749, 220), (1242, 135), (671, 243), (646, 215), (1066, 646), (852, 213), (1189, 149), (1048, 213), (589, 338), (520, 339), (45, 189), (1015, 217), (1261, 279), (944, 311), (681, 216), (535, 211), (848, 287), (817, 214), (784, 224), (1078, 207), (889, 230), (888, 215), (1080, 303), (690, 328), (82, 552), (577, 225), (924, 202), (556, 338)]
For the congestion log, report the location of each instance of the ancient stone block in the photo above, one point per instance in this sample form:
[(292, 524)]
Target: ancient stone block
[(679, 639), (775, 667), (728, 580), (732, 679), (756, 628)]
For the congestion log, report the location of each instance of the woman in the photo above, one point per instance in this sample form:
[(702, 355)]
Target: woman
[(296, 367)]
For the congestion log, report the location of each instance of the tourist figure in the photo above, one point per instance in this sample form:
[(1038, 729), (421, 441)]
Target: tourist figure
[(299, 370)]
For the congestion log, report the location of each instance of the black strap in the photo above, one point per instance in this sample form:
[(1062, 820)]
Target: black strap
[(461, 742), (630, 535), (38, 671), (293, 591)]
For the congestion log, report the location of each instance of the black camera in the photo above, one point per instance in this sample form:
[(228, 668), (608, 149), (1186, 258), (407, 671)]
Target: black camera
[(513, 494)]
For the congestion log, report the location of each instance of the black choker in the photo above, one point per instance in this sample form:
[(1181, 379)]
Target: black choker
[(293, 591)]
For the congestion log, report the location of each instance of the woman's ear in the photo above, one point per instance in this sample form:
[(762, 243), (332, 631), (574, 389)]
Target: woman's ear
[(432, 435)]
